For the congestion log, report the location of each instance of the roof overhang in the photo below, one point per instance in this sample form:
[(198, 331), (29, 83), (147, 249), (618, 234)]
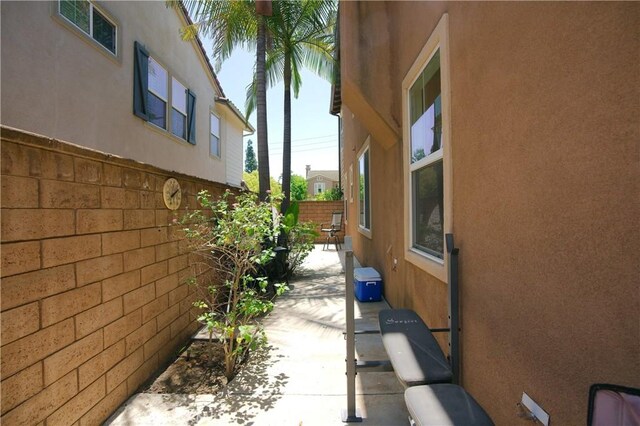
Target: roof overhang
[(248, 128)]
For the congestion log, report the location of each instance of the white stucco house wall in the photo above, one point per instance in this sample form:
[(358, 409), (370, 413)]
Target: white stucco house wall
[(116, 77)]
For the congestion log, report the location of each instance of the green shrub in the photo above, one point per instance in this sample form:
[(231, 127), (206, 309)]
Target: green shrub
[(333, 194), (299, 237), (231, 240)]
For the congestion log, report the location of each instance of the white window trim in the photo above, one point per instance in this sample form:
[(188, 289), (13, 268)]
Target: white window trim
[(212, 155), (364, 231), (88, 38), (439, 39)]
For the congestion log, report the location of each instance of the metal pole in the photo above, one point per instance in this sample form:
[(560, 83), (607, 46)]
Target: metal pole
[(454, 314), (350, 414)]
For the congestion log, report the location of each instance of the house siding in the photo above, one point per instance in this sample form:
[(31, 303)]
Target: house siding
[(56, 83), (544, 140), (233, 147)]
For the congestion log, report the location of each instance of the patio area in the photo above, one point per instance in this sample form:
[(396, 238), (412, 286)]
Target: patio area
[(299, 379)]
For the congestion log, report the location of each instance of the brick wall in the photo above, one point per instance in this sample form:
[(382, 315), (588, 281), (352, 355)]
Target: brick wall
[(319, 212), (92, 296)]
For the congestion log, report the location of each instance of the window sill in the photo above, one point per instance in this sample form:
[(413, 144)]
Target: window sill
[(364, 231), (429, 264), (167, 134)]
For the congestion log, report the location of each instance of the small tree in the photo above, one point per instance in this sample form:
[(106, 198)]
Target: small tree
[(251, 179), (250, 162), (298, 188), (299, 237), (333, 194), (230, 242)]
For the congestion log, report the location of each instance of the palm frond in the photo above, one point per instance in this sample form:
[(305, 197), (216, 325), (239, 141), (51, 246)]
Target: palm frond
[(251, 98)]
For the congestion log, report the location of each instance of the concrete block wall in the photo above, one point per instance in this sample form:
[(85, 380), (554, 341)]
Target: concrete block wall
[(93, 300), (320, 212)]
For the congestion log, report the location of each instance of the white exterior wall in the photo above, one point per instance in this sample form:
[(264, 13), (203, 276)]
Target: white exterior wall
[(60, 85), (232, 149)]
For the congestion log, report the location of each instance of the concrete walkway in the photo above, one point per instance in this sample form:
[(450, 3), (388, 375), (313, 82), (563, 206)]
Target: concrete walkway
[(300, 378)]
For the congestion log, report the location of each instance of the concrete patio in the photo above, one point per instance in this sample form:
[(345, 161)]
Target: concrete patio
[(300, 378)]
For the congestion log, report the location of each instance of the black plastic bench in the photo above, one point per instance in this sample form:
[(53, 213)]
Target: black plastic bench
[(422, 368), (413, 351)]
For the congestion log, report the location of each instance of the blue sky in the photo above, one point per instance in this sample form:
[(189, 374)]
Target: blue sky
[(314, 131)]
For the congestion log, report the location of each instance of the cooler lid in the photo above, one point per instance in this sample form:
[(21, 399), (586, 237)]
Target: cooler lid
[(366, 274)]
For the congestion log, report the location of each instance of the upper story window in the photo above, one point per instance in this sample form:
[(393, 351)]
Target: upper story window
[(85, 16), (178, 109), (214, 136), (364, 191), (427, 154), (158, 95), (152, 95)]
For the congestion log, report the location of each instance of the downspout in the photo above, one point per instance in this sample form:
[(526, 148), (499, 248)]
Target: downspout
[(340, 154)]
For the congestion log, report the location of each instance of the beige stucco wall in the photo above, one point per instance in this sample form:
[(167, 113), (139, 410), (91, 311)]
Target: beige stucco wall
[(545, 100), (58, 84)]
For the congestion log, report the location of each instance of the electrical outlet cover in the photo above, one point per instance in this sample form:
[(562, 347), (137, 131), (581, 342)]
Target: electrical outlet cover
[(541, 415)]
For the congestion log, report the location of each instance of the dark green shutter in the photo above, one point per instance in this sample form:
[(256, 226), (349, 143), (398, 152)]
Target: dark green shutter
[(191, 117), (140, 81)]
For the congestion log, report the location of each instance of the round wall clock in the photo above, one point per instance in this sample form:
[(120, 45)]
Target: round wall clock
[(172, 194)]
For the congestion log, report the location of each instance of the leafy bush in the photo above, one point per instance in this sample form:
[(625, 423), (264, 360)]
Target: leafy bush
[(333, 194), (230, 242), (251, 179), (299, 236), (298, 188)]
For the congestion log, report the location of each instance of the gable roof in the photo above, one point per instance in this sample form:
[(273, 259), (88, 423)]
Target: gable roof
[(329, 174), (222, 98)]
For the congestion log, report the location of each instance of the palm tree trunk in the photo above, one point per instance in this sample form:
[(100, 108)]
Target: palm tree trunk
[(286, 140), (261, 108)]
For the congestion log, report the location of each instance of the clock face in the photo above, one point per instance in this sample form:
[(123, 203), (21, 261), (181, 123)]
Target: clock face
[(172, 193)]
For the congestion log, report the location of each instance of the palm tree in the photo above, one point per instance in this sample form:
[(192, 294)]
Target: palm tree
[(301, 35), (231, 24)]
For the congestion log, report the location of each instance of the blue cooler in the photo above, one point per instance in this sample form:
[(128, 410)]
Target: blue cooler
[(367, 284)]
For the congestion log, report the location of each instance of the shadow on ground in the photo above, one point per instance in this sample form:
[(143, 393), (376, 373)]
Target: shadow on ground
[(255, 390)]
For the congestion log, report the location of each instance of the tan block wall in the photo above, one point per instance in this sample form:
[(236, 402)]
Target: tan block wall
[(319, 212), (93, 299)]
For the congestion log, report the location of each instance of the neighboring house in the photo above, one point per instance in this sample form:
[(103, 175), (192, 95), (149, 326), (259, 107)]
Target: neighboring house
[(116, 77), (516, 127), (111, 124), (319, 181)]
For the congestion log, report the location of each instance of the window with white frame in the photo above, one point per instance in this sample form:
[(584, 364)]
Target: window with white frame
[(425, 109), (364, 190), (85, 16), (158, 95), (214, 136), (427, 170), (155, 89), (318, 188), (178, 109)]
